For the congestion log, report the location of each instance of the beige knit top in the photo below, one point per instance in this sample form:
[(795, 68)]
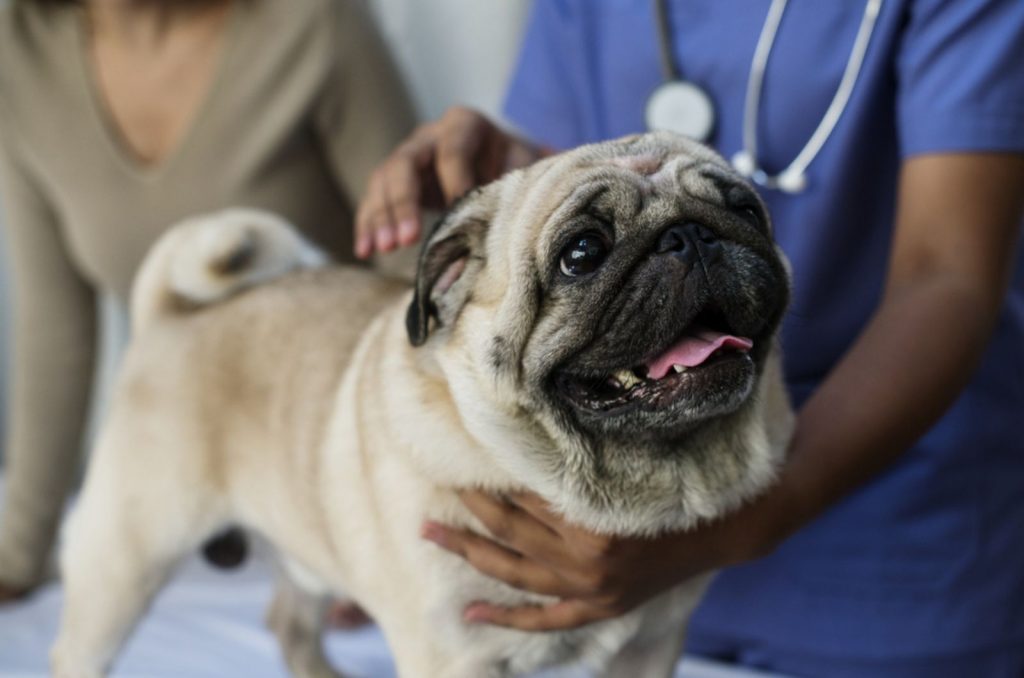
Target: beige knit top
[(304, 103)]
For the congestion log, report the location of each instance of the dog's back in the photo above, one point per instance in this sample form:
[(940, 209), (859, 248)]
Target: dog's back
[(241, 335), (242, 331)]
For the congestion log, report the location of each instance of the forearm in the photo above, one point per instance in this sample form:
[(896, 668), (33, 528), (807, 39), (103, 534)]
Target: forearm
[(52, 369), (958, 224), (916, 354), (53, 347)]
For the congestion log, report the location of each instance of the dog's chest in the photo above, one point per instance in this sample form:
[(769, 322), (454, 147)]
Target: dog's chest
[(412, 586)]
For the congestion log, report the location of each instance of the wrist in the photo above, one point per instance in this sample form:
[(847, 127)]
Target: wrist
[(759, 527)]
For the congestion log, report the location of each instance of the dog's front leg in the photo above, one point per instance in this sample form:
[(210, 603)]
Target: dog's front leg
[(417, 668), (296, 617), (655, 648), (417, 656), (648, 657)]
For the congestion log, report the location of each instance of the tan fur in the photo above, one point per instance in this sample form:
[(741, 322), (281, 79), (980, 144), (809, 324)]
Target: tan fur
[(299, 410)]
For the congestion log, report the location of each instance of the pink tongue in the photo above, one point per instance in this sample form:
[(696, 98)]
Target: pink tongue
[(694, 350)]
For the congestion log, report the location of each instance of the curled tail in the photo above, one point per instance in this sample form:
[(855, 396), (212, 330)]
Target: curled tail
[(211, 257)]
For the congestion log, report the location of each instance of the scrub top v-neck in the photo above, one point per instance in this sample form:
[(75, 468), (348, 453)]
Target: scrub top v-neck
[(192, 128)]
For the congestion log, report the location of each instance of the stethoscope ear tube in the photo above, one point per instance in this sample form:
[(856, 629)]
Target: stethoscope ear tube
[(669, 69), (689, 110), (677, 105)]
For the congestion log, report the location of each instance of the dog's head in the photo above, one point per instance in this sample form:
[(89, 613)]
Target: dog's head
[(613, 310)]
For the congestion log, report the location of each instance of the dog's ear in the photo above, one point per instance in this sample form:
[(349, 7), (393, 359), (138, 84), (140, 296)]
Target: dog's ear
[(449, 262)]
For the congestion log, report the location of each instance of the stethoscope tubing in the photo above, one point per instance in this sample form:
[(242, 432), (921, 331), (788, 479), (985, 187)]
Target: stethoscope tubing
[(793, 178)]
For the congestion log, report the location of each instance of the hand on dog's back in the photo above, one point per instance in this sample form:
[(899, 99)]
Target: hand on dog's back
[(440, 162)]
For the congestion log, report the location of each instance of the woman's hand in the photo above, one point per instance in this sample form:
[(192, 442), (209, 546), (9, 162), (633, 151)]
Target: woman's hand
[(436, 165), (595, 577)]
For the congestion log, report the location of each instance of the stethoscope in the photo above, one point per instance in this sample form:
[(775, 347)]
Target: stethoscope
[(681, 106)]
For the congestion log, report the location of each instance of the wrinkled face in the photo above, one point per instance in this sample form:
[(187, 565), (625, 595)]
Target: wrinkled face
[(628, 293), (662, 290)]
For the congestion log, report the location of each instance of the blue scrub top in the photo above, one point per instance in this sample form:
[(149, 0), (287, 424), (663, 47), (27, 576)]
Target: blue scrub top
[(929, 558)]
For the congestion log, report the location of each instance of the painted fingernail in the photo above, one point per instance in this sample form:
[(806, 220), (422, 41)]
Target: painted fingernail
[(385, 238), (407, 231), (433, 532), (363, 245), (476, 613)]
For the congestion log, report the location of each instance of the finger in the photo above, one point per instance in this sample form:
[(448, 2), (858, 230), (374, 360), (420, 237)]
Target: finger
[(513, 527), (588, 544), (382, 221), (394, 193), (582, 552), (408, 229), (496, 561), (384, 233), (456, 156), (402, 186), (367, 216), (364, 235), (541, 511), (364, 244), (564, 615)]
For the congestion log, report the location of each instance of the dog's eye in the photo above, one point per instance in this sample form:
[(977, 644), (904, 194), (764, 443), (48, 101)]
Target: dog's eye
[(752, 215), (583, 255), (744, 204)]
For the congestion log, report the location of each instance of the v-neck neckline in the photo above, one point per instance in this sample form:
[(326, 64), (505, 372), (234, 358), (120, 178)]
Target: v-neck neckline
[(113, 136)]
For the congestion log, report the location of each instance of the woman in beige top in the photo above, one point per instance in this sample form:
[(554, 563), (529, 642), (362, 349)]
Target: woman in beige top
[(120, 117)]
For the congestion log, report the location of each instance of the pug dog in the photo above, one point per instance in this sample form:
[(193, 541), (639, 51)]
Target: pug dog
[(598, 328)]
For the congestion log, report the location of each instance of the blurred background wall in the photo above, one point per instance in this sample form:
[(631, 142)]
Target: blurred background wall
[(5, 323), (449, 51), (453, 51)]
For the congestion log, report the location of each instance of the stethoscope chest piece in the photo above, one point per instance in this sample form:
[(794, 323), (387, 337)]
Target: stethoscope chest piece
[(682, 107)]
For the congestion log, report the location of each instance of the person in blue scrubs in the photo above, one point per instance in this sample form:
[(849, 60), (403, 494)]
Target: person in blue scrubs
[(893, 544)]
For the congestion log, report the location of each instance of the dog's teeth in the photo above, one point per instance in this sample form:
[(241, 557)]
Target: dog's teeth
[(627, 378), (679, 369)]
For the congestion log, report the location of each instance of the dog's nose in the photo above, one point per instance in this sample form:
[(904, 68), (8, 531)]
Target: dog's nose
[(689, 242)]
